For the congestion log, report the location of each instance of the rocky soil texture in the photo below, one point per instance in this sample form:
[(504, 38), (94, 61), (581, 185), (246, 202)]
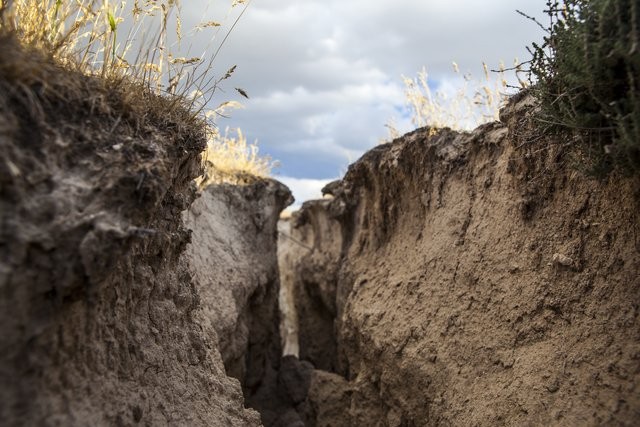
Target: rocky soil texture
[(471, 279), (452, 279), (113, 311)]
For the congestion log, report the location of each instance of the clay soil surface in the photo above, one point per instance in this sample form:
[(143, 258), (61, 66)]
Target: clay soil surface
[(479, 279)]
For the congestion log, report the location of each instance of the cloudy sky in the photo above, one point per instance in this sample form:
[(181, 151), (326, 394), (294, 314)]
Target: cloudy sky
[(324, 76)]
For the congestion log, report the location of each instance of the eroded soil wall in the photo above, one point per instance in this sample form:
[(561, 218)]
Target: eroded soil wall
[(482, 280), (233, 257), (104, 320)]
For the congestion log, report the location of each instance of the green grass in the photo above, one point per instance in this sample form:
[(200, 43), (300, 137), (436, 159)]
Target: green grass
[(587, 74)]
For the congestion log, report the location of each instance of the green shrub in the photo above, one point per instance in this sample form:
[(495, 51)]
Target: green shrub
[(587, 74)]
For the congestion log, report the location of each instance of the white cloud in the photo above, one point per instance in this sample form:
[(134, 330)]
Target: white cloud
[(324, 76), (303, 188)]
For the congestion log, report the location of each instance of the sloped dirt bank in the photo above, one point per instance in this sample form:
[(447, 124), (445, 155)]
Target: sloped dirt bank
[(108, 313), (481, 280)]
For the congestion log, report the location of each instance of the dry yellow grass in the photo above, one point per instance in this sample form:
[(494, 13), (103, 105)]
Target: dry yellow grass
[(229, 158), (140, 41), (474, 102)]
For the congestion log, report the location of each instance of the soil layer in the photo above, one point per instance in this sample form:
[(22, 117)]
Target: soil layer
[(480, 279)]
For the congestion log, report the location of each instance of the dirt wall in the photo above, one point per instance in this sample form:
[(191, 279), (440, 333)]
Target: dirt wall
[(312, 248), (104, 320), (288, 255), (482, 280), (233, 258)]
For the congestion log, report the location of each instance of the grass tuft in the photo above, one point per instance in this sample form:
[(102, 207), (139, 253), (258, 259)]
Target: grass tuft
[(474, 101), (468, 103), (229, 158), (135, 48)]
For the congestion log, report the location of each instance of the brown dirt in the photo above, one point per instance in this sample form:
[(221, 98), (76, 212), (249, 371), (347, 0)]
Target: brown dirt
[(287, 256), (233, 258), (455, 279), (311, 258), (101, 318), (481, 281)]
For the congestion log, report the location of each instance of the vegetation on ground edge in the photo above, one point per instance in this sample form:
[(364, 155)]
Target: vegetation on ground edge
[(587, 73), (141, 42)]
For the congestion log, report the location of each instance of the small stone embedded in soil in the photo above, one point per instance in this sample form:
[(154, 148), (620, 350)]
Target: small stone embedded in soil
[(137, 413), (562, 260), (553, 386)]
